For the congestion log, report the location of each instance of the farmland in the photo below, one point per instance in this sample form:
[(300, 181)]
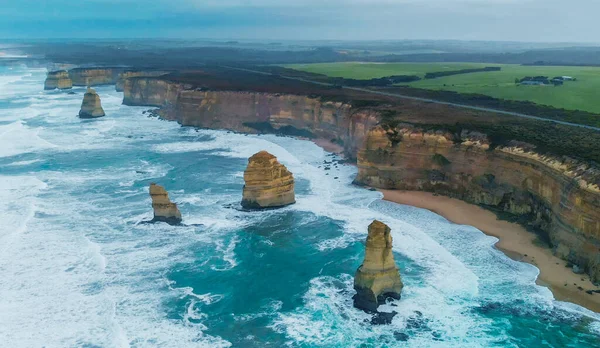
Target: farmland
[(573, 95)]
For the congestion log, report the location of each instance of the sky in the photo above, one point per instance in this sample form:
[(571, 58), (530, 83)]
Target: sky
[(502, 20)]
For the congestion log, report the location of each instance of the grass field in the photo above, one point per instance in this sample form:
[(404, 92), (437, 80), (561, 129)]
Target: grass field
[(583, 94)]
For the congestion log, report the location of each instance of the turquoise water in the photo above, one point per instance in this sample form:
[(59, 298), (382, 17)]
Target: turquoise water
[(78, 270)]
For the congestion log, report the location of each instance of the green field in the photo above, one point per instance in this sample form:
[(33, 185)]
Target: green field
[(583, 94)]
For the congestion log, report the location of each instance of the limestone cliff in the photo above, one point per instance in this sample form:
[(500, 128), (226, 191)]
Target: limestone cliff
[(378, 278), (94, 76), (120, 83), (558, 196), (268, 183), (58, 80), (253, 112), (164, 209), (148, 91), (91, 107)]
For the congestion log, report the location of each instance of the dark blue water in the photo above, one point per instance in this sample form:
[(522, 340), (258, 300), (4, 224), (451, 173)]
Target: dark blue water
[(77, 269)]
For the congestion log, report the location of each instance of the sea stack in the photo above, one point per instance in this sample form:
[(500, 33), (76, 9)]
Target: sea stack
[(91, 106), (268, 183), (58, 79), (164, 209), (378, 278)]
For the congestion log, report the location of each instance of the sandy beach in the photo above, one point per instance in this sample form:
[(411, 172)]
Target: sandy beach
[(514, 240)]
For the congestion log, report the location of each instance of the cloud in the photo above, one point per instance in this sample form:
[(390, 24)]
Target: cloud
[(518, 20)]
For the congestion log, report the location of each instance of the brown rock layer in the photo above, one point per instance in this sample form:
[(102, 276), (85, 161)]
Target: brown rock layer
[(164, 209), (120, 83), (268, 183), (378, 278), (91, 107), (94, 76), (58, 79)]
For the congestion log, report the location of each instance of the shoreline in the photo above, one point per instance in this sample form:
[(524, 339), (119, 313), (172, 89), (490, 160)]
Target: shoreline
[(513, 240)]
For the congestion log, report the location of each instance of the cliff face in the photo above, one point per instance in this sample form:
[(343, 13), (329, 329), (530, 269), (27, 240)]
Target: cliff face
[(94, 76), (558, 196), (253, 112), (164, 209), (142, 91), (120, 83), (91, 106), (378, 277), (268, 183), (58, 79)]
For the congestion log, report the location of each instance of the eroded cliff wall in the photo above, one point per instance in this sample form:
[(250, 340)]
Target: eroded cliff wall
[(94, 76), (144, 91), (120, 83), (558, 196)]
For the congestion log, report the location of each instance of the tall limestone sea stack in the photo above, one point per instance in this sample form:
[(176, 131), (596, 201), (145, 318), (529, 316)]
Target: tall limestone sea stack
[(268, 183), (164, 209), (378, 278), (58, 79), (91, 106)]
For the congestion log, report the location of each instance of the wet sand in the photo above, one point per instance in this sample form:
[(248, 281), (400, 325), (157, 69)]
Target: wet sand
[(514, 240)]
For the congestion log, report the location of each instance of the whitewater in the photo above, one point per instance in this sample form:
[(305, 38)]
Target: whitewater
[(78, 269)]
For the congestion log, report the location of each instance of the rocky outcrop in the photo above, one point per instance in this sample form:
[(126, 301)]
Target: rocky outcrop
[(378, 278), (94, 76), (557, 196), (58, 80), (164, 209), (91, 106), (120, 84), (268, 183)]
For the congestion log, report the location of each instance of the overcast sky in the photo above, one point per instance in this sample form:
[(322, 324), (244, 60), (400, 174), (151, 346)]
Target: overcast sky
[(510, 20)]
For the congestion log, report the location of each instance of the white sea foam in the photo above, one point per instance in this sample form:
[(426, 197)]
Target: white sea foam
[(18, 139)]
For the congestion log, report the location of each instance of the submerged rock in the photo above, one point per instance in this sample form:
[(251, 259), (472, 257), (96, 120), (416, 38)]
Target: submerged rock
[(378, 278), (91, 106), (268, 183), (58, 79), (164, 209)]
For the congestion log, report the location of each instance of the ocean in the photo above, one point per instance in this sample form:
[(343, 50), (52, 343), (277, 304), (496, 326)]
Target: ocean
[(78, 269)]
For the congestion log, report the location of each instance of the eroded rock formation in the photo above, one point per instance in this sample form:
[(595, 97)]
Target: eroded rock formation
[(94, 76), (164, 209), (91, 107), (378, 278), (120, 83), (268, 183), (58, 79)]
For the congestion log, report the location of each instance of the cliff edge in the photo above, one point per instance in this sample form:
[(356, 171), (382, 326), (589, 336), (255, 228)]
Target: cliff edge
[(58, 80)]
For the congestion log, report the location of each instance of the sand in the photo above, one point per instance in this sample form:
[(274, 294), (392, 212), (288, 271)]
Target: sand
[(514, 240)]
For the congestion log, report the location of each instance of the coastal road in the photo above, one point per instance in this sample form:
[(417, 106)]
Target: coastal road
[(434, 101)]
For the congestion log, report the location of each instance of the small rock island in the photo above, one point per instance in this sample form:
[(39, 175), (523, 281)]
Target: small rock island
[(164, 209), (91, 106), (58, 80), (268, 183), (378, 278)]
